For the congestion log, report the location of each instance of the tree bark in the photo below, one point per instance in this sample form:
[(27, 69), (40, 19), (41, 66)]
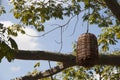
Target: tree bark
[(69, 59), (114, 7), (44, 55)]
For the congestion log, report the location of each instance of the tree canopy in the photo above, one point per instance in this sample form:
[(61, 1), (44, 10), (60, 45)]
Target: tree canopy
[(103, 13)]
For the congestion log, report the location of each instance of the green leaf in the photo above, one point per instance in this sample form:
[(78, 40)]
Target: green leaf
[(37, 64), (112, 42), (78, 0), (1, 54), (6, 51), (105, 48), (86, 2), (22, 31), (13, 43), (118, 35), (42, 19), (10, 55), (17, 15), (40, 28), (1, 26)]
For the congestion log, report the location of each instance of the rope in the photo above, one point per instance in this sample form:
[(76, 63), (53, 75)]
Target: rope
[(88, 18)]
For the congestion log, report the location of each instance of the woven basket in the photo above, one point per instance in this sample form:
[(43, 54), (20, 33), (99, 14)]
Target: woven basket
[(87, 50)]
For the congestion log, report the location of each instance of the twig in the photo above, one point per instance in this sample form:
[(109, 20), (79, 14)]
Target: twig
[(61, 41), (50, 71), (46, 73), (44, 33), (59, 26), (75, 26), (69, 21)]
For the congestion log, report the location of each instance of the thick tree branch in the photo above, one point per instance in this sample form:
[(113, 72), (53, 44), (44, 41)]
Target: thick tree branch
[(114, 7), (113, 60), (65, 58), (44, 55)]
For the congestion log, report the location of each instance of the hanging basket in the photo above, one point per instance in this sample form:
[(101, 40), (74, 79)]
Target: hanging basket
[(87, 50)]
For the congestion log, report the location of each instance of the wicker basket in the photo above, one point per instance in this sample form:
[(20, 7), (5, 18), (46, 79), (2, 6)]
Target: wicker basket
[(87, 50)]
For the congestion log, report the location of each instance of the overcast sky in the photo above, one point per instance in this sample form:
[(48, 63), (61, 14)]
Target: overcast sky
[(19, 68)]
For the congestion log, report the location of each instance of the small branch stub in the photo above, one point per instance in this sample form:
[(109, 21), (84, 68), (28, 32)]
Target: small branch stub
[(87, 50)]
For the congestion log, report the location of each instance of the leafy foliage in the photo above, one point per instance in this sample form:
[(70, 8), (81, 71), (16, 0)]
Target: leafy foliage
[(109, 36), (14, 29), (6, 51), (36, 13), (7, 43)]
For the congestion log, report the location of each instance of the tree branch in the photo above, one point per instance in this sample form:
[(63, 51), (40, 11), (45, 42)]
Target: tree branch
[(114, 7), (44, 74), (68, 60), (113, 60), (44, 55), (65, 58)]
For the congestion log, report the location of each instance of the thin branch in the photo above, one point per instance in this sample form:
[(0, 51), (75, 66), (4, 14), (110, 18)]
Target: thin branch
[(75, 26), (69, 21), (61, 40), (45, 74), (59, 26), (50, 71), (65, 58), (44, 33)]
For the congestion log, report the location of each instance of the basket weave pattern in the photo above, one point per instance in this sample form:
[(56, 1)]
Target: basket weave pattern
[(87, 50)]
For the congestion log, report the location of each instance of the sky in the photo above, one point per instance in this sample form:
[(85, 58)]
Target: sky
[(19, 68)]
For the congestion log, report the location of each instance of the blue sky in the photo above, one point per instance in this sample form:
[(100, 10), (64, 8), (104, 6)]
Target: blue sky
[(19, 68)]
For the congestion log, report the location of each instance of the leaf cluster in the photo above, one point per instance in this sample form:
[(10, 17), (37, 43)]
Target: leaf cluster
[(6, 51), (109, 36), (7, 43), (93, 73), (38, 12)]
